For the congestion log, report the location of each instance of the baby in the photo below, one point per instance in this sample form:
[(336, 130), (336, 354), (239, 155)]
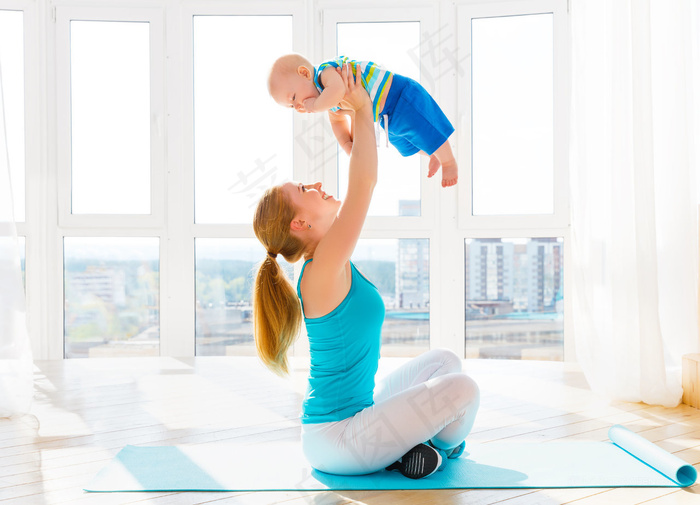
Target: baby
[(412, 119)]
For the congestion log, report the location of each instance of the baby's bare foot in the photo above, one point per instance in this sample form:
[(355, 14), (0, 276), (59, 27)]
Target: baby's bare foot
[(433, 165), (449, 173)]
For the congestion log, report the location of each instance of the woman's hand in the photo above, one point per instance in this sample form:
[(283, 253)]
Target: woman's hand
[(356, 97)]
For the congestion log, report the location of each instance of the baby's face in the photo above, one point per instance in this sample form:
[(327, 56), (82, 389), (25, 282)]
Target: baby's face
[(291, 89)]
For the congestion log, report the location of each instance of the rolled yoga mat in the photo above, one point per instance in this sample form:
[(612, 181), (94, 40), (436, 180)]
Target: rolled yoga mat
[(627, 461)]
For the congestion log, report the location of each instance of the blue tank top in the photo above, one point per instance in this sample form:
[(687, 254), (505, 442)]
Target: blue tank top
[(344, 351)]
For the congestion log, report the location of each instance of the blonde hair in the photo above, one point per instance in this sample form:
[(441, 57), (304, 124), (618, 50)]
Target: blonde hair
[(277, 312), (285, 65)]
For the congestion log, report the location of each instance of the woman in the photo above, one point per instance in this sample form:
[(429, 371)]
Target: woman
[(416, 418)]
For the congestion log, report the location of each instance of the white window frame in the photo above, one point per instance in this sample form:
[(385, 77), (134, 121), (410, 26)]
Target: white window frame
[(425, 226), (427, 17), (184, 230), (556, 224), (443, 222), (101, 225), (560, 217), (64, 14), (213, 8)]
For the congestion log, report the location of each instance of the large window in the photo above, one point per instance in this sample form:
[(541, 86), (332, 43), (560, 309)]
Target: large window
[(514, 97), (148, 137), (242, 144), (396, 253), (110, 154)]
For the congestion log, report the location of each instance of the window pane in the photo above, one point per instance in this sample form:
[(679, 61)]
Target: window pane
[(394, 46), (111, 297), (12, 67), (225, 270), (512, 115), (400, 269), (243, 139), (110, 118), (514, 293)]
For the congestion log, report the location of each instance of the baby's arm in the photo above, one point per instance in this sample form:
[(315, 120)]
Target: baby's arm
[(333, 92), (342, 129)]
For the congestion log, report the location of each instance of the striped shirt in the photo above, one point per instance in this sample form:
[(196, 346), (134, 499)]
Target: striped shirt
[(374, 79)]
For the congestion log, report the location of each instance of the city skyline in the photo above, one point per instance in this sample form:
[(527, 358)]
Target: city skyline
[(503, 277)]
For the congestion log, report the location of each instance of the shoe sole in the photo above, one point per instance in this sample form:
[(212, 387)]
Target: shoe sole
[(419, 462)]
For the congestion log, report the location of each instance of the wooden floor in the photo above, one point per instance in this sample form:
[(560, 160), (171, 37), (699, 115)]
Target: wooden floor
[(85, 411)]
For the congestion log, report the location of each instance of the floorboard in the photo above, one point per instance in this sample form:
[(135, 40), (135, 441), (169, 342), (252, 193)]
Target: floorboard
[(85, 411)]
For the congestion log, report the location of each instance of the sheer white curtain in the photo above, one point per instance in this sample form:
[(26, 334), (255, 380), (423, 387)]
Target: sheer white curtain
[(634, 157), (16, 386)]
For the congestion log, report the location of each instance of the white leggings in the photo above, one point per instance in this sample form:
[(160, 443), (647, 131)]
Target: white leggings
[(427, 398)]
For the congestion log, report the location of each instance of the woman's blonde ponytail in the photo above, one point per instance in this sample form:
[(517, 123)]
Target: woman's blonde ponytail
[(276, 308)]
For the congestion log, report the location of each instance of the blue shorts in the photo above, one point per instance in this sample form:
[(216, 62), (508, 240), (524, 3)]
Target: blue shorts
[(416, 122)]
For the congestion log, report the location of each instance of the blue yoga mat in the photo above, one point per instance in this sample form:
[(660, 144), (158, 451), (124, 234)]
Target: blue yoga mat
[(627, 461)]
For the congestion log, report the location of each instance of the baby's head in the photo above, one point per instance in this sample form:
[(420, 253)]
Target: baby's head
[(291, 81)]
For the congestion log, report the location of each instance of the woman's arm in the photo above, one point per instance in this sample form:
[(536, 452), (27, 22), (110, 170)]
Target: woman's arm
[(342, 129), (336, 247)]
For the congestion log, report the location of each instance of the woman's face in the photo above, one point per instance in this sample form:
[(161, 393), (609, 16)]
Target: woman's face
[(313, 205)]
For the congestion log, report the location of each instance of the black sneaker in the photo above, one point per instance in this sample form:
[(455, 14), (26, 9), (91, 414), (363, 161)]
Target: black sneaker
[(419, 462)]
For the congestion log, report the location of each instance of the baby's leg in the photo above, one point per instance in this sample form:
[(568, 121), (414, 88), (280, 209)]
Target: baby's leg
[(444, 158)]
